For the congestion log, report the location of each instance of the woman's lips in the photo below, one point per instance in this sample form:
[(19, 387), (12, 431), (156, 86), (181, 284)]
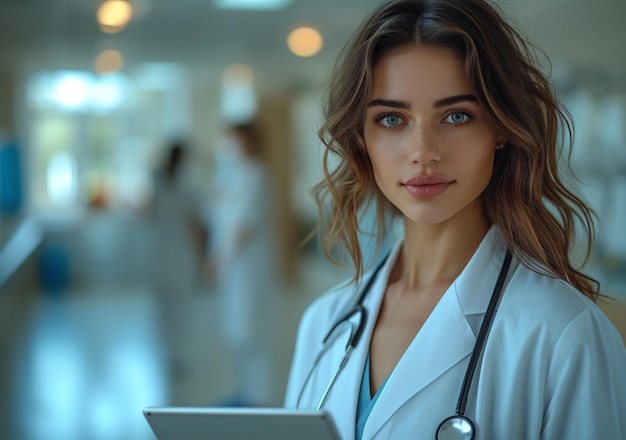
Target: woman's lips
[(426, 187)]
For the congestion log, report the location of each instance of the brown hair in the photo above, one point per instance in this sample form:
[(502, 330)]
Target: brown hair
[(248, 135), (526, 197)]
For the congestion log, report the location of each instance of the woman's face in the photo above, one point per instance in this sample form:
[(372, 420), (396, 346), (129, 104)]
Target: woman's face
[(429, 140)]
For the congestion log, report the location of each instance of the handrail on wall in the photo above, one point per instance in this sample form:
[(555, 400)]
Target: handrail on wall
[(24, 241)]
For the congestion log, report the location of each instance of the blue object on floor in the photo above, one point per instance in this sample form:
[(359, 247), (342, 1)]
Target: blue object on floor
[(54, 268)]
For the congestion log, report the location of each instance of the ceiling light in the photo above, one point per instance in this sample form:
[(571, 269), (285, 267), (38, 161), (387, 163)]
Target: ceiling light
[(239, 101), (238, 75), (114, 14), (257, 5), (304, 41), (108, 61)]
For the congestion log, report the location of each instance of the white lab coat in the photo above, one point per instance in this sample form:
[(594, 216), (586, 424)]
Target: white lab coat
[(247, 272), (247, 275), (554, 367), (176, 261)]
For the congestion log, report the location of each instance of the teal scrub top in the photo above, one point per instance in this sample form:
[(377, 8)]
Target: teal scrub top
[(366, 402)]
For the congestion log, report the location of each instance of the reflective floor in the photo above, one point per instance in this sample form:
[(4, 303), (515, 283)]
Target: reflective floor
[(87, 366), (81, 365)]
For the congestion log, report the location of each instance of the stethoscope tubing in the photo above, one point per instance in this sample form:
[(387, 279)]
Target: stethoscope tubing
[(343, 363), (355, 335), (353, 340), (485, 326)]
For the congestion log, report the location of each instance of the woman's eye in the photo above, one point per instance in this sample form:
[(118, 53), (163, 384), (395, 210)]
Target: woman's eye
[(390, 120), (457, 118)]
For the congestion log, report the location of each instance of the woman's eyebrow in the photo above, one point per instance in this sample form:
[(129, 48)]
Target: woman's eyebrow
[(405, 105), (454, 100), (389, 103)]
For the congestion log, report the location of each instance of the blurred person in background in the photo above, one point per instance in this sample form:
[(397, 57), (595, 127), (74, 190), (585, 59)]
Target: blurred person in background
[(179, 243), (243, 260)]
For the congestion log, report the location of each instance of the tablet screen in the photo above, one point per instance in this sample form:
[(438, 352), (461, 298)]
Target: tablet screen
[(240, 424)]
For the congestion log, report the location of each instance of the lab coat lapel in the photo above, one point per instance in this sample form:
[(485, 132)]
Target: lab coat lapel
[(446, 338), (345, 393)]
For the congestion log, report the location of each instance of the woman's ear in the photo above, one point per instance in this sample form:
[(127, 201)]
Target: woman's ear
[(500, 143)]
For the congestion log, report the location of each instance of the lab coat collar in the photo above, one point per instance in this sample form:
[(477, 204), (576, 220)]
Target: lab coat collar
[(343, 399), (426, 358)]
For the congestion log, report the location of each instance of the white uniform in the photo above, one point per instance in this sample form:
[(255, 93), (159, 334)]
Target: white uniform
[(554, 367), (247, 273), (176, 261)]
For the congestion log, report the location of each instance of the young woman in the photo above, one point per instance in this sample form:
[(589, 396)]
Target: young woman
[(438, 110)]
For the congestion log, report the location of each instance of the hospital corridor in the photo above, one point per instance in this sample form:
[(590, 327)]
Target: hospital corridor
[(82, 364)]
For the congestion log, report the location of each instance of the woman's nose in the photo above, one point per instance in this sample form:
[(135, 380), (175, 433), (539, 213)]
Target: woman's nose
[(423, 147)]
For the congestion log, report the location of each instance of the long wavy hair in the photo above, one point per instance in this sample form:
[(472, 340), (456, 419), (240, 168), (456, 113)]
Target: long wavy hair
[(526, 198)]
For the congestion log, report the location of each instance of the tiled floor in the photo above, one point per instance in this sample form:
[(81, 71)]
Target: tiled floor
[(83, 365)]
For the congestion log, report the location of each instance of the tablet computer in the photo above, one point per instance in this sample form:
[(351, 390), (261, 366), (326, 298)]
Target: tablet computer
[(181, 423)]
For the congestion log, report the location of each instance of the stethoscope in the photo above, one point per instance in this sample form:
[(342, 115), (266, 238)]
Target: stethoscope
[(455, 427)]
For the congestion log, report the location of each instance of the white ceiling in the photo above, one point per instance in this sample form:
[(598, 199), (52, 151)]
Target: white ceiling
[(63, 33)]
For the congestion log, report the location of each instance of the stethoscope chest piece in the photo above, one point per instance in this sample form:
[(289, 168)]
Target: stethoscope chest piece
[(455, 428)]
